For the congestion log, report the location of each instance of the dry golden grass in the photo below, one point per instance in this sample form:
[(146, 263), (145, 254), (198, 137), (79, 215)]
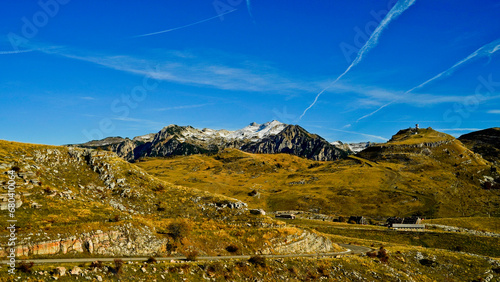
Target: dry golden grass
[(489, 224), (444, 183)]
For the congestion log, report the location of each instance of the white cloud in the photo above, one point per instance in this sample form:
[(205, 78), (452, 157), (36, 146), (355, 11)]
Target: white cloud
[(87, 98), (493, 112), (184, 107), (458, 129), (201, 71)]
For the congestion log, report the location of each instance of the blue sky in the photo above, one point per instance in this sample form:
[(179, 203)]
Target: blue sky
[(73, 71)]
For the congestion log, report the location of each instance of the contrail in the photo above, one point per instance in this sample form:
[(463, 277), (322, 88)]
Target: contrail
[(374, 112), (15, 52), (485, 50), (395, 12), (184, 26), (249, 8)]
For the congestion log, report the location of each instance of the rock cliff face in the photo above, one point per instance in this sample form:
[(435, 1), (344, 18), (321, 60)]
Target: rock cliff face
[(124, 241), (484, 142), (303, 243), (269, 138), (297, 141)]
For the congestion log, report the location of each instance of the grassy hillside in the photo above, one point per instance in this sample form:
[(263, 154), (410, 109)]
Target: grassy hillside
[(426, 173), (87, 194), (485, 224), (80, 192)]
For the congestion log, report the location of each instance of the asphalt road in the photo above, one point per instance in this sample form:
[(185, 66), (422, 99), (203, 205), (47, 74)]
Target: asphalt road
[(351, 249)]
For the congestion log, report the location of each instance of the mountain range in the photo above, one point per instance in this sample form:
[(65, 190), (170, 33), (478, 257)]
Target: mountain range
[(268, 138)]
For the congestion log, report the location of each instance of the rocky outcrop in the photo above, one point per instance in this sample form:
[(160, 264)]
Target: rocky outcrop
[(297, 141), (484, 142), (304, 243), (125, 241)]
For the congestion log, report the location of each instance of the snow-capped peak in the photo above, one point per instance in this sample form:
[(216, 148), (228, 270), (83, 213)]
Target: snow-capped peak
[(258, 131), (252, 132)]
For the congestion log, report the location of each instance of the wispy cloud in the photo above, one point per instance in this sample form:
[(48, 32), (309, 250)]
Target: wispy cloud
[(249, 8), (201, 71), (458, 129), (15, 52), (87, 98), (395, 12), (184, 26), (355, 133), (184, 107), (486, 50), (494, 112), (140, 123)]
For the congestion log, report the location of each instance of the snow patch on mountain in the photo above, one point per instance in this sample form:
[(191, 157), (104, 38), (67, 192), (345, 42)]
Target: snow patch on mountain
[(144, 138), (252, 132), (257, 131), (358, 147)]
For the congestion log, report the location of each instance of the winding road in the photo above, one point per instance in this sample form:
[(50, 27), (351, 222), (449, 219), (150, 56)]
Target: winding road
[(351, 249)]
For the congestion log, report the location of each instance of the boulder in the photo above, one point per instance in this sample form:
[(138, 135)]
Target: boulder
[(61, 271), (258, 212), (75, 271)]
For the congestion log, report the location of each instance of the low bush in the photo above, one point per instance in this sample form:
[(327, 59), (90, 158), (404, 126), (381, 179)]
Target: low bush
[(178, 230), (258, 260), (96, 264), (383, 255), (25, 267), (118, 266), (191, 255), (232, 248)]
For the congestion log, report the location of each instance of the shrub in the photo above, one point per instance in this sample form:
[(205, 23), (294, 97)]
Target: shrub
[(116, 218), (323, 271), (191, 255), (258, 260), (159, 188), (96, 264), (371, 254), (151, 260), (171, 247), (383, 255), (313, 165), (25, 267), (16, 168), (232, 248), (178, 230), (428, 262), (118, 266), (253, 193)]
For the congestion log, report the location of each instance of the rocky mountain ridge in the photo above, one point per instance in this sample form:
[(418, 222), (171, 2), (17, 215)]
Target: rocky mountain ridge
[(485, 142), (269, 138)]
